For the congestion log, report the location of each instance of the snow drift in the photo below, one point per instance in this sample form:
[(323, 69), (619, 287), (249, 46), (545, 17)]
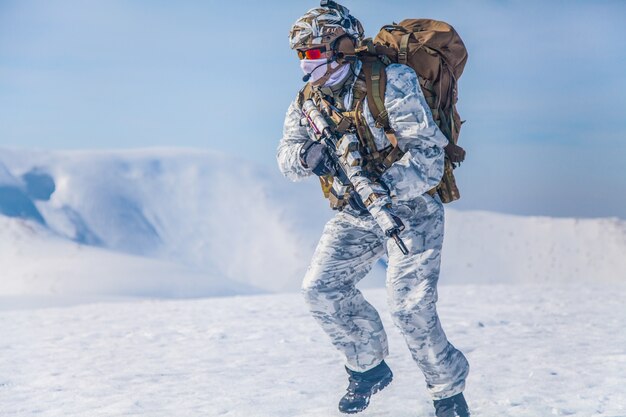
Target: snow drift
[(483, 247), (174, 222)]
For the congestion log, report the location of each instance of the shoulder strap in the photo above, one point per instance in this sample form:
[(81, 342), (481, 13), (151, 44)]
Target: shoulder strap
[(375, 82), (305, 93)]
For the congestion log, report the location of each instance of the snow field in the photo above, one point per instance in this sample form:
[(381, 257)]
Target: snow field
[(534, 350)]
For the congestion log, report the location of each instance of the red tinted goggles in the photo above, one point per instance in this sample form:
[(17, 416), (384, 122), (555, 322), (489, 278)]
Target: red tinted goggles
[(315, 53)]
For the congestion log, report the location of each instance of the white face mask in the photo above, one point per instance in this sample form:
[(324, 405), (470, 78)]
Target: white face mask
[(317, 68)]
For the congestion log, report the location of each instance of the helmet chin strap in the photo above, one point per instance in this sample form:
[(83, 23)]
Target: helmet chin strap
[(329, 71), (341, 56), (338, 56)]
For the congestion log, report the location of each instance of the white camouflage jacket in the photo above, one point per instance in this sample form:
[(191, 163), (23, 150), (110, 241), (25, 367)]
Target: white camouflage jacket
[(421, 166)]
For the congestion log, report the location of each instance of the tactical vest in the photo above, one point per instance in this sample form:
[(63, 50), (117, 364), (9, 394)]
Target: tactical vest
[(375, 161)]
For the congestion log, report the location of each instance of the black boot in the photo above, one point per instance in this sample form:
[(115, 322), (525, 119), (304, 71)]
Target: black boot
[(452, 407), (362, 386)]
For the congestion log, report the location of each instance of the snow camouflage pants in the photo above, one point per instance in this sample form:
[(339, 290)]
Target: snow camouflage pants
[(346, 252)]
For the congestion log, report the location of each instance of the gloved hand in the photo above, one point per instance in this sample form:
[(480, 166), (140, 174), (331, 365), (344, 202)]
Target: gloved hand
[(357, 205), (316, 156)]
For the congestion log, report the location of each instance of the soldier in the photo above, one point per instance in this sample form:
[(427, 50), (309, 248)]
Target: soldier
[(353, 240)]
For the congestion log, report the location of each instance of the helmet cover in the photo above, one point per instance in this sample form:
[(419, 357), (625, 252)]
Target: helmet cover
[(322, 26)]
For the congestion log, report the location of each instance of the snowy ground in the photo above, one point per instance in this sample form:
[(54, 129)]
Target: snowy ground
[(535, 351)]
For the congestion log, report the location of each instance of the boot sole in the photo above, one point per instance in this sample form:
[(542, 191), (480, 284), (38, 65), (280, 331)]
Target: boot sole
[(377, 388)]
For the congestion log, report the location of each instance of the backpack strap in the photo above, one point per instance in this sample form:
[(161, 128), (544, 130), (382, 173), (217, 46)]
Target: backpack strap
[(304, 94), (376, 83), (403, 52)]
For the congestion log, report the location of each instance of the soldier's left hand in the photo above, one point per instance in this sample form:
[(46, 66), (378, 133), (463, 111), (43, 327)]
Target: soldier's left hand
[(316, 156)]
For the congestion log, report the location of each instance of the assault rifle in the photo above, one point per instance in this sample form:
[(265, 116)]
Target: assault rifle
[(347, 160)]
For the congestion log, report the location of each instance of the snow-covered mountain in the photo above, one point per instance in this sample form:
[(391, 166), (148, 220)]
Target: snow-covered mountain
[(175, 222), (203, 211), (483, 247)]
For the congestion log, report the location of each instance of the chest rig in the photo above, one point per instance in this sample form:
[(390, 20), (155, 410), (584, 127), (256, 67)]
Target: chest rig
[(342, 121)]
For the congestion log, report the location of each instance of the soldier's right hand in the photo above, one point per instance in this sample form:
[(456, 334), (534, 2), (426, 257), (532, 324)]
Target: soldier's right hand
[(316, 156)]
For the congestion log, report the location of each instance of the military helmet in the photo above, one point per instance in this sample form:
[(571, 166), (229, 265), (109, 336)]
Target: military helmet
[(323, 26)]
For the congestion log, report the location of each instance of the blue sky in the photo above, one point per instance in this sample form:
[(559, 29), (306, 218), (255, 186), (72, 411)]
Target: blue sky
[(543, 92)]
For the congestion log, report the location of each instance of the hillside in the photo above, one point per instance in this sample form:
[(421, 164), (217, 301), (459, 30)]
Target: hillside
[(233, 225)]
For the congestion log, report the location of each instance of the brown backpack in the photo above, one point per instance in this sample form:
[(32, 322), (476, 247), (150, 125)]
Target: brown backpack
[(437, 54)]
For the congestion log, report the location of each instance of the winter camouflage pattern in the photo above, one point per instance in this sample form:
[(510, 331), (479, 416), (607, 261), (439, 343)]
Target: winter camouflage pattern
[(351, 244), (313, 25), (421, 167), (347, 249)]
